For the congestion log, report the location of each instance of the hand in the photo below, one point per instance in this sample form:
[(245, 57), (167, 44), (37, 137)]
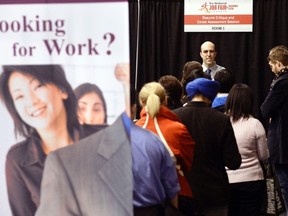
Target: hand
[(122, 72)]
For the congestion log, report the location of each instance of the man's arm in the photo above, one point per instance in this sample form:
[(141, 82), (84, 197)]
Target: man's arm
[(274, 98), (174, 201), (57, 195)]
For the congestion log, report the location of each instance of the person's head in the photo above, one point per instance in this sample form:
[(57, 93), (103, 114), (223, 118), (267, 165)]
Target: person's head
[(91, 104), (191, 70), (239, 102), (208, 53), (226, 79), (278, 58), (174, 91), (38, 97), (202, 89), (152, 95)]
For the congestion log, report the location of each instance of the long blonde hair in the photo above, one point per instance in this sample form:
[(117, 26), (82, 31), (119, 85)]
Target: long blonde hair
[(152, 96)]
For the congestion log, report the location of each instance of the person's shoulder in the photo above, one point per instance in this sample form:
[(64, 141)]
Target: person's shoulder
[(220, 115), (145, 138), (254, 121), (180, 109), (219, 67), (18, 150), (282, 79), (220, 108), (138, 133), (140, 121)]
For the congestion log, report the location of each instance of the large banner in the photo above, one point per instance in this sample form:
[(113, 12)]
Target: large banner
[(218, 16), (86, 40)]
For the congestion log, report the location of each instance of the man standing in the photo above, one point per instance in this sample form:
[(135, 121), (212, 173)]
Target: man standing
[(208, 54), (275, 109), (215, 148)]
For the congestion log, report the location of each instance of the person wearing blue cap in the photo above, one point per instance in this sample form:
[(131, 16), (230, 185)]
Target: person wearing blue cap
[(215, 148)]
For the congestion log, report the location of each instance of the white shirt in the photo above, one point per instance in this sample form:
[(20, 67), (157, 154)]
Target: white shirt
[(214, 69), (251, 140)]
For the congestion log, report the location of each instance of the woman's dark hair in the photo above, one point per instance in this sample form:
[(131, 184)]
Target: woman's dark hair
[(91, 88), (45, 74), (192, 70), (173, 89), (226, 79), (240, 101)]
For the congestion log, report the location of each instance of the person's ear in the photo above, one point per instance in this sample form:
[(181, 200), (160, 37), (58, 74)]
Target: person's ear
[(279, 64), (165, 102), (64, 93)]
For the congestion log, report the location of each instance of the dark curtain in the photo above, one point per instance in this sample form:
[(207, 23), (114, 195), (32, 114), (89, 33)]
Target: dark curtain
[(164, 47)]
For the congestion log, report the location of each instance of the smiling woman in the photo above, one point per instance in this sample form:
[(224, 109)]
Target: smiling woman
[(43, 107), (38, 104)]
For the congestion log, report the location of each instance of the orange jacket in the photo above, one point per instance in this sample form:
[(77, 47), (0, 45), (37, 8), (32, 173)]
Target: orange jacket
[(177, 137)]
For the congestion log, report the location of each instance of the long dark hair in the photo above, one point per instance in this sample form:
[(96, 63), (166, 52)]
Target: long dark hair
[(52, 74), (240, 101)]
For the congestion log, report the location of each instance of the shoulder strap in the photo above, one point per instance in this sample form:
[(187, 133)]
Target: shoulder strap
[(162, 137), (178, 167)]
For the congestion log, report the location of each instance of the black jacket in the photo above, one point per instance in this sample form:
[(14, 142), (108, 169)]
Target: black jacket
[(275, 108), (215, 148)]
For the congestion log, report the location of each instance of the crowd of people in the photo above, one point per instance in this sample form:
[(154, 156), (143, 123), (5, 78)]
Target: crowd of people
[(196, 148), (225, 169)]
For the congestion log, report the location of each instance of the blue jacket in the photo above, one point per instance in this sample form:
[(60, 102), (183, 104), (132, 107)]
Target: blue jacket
[(154, 173)]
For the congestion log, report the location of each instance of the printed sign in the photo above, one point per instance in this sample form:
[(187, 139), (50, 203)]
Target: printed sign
[(218, 16), (83, 43)]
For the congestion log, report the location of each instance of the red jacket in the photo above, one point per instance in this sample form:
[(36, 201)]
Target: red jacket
[(177, 137)]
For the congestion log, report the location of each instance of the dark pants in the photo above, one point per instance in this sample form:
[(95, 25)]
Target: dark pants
[(186, 205), (212, 211), (156, 210), (281, 172), (246, 198), (217, 211)]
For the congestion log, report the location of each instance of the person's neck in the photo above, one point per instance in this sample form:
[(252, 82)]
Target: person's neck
[(283, 70), (210, 65), (201, 98), (55, 138)]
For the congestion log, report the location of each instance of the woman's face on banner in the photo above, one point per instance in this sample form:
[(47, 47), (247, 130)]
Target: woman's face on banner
[(91, 109), (39, 105)]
